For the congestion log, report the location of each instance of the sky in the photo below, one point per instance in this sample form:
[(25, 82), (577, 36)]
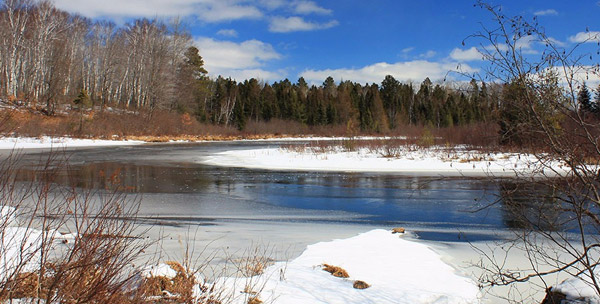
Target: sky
[(354, 40)]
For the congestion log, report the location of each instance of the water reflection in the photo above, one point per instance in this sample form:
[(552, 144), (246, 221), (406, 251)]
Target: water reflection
[(128, 177), (535, 206), (174, 186), (443, 205)]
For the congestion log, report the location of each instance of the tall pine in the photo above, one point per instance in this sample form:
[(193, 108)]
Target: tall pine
[(585, 100)]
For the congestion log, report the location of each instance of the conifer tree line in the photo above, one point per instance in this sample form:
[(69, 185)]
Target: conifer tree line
[(369, 107), (51, 58)]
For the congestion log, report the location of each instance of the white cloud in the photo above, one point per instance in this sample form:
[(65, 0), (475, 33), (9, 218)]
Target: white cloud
[(471, 54), (295, 24), (584, 37), (260, 74), (309, 7), (205, 10), (415, 70), (525, 45), (407, 50), (227, 33), (576, 75), (219, 10), (546, 12), (427, 54), (556, 42), (238, 60)]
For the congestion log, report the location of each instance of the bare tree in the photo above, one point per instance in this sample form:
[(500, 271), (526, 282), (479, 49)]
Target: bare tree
[(15, 20), (557, 210)]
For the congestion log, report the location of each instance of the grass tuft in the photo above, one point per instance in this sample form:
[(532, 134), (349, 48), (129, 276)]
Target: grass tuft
[(336, 271)]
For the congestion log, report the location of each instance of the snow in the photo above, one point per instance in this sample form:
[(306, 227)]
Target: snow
[(8, 143), (320, 138), (19, 250), (399, 271), (579, 287), (7, 215), (408, 160), (20, 246), (160, 270)]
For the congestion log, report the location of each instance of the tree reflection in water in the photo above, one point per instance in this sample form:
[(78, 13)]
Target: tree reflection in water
[(541, 207)]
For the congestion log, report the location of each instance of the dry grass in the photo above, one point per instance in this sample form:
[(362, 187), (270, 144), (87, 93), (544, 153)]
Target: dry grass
[(254, 300), (398, 230), (336, 271), (25, 285), (358, 284), (252, 265), (178, 289)]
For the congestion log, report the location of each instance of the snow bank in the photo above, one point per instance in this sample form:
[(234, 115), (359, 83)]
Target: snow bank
[(58, 142), (579, 288), (321, 138), (426, 161), (20, 246), (398, 270)]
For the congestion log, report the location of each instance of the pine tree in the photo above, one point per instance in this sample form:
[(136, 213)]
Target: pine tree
[(585, 101), (390, 88), (82, 101), (597, 100), (195, 61)]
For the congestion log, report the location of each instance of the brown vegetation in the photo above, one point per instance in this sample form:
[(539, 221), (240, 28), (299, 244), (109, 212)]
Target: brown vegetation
[(178, 289), (254, 300), (398, 230), (336, 271), (358, 284)]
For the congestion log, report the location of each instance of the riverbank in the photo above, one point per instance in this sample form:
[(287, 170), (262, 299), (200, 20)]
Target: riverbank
[(458, 161), (47, 142)]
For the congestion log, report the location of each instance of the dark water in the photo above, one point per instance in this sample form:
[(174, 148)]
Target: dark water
[(176, 189)]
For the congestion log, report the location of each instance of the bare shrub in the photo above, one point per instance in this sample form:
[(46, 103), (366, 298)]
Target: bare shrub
[(63, 246)]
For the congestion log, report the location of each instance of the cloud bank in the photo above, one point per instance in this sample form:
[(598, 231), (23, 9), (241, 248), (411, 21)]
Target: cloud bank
[(295, 24), (407, 71), (586, 37), (205, 10)]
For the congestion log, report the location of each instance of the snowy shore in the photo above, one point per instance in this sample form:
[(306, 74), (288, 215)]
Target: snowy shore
[(398, 270), (431, 161), (46, 142)]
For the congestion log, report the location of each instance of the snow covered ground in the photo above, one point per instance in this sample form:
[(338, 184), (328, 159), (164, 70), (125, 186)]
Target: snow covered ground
[(9, 143), (434, 161), (20, 246), (398, 271)]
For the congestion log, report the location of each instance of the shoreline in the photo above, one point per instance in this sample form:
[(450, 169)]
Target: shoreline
[(48, 142), (406, 160), (426, 162)]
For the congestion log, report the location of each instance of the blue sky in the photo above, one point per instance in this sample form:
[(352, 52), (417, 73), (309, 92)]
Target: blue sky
[(347, 39)]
